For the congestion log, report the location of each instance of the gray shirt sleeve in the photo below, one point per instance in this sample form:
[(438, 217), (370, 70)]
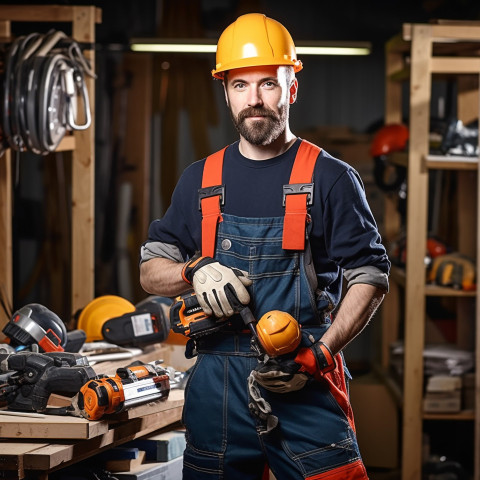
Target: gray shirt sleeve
[(151, 250), (367, 274)]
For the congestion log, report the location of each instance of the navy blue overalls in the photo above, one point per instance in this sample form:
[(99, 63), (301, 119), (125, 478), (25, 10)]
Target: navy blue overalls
[(315, 436)]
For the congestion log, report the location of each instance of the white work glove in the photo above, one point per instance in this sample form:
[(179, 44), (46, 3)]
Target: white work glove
[(220, 289)]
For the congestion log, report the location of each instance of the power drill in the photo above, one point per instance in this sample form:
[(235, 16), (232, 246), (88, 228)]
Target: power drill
[(276, 333), (131, 386)]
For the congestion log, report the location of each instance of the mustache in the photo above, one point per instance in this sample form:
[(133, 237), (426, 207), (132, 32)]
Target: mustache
[(256, 112)]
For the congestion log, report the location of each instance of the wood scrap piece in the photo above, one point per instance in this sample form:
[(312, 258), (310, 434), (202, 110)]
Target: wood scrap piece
[(63, 454), (125, 465), (50, 426), (11, 456)]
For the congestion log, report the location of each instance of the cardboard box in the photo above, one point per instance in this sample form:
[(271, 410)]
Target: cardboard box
[(443, 394), (376, 420)]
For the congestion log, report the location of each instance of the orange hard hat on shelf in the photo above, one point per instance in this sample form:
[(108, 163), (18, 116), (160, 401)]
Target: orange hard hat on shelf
[(390, 138), (254, 40)]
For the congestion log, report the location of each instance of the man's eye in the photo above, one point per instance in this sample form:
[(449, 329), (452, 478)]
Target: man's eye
[(239, 85), (269, 84)]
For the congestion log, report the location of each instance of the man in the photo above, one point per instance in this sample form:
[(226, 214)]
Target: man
[(281, 222)]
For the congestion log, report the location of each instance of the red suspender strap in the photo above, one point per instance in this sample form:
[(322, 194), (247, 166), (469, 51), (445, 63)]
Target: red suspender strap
[(211, 197), (297, 195)]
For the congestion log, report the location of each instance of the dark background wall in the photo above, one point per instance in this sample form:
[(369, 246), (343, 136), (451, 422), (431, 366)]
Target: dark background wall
[(346, 92)]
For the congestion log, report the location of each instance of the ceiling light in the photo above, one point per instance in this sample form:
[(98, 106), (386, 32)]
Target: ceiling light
[(158, 45)]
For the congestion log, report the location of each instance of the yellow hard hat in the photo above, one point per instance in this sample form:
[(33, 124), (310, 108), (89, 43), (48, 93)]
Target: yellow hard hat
[(98, 311), (278, 332), (254, 40)]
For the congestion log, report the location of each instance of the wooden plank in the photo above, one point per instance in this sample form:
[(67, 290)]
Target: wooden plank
[(83, 180), (393, 89), (5, 29), (137, 154), (42, 13), (455, 65), (11, 456), (445, 33), (64, 454), (6, 288), (420, 86), (51, 426)]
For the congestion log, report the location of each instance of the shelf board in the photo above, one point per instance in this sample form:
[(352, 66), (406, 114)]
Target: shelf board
[(396, 390), (398, 275), (463, 415), (438, 162), (451, 162), (436, 291)]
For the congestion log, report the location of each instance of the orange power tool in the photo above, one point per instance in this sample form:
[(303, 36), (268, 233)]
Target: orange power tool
[(131, 386), (276, 333)]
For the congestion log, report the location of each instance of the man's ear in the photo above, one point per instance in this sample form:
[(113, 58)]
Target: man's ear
[(225, 92), (293, 91)]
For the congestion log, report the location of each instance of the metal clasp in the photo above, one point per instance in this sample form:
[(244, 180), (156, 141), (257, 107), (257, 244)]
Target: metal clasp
[(298, 188), (206, 192)]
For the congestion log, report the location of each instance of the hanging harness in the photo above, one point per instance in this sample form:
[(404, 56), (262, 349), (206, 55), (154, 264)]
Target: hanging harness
[(297, 196)]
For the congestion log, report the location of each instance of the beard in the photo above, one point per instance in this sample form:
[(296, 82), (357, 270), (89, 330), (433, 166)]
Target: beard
[(264, 131)]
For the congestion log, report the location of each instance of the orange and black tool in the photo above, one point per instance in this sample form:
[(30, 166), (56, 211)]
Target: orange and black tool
[(131, 386), (188, 318), (276, 333)]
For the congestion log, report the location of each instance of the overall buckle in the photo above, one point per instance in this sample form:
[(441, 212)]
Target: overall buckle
[(216, 190), (298, 188)]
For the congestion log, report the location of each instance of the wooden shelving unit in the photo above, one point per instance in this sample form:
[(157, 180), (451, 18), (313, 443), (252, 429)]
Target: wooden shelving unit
[(421, 51), (82, 152)]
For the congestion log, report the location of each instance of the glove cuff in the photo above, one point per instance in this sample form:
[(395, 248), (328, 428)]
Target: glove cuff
[(316, 358), (196, 262), (324, 357)]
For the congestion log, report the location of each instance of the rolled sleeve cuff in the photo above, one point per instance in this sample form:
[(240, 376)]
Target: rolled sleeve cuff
[(151, 250), (367, 274)]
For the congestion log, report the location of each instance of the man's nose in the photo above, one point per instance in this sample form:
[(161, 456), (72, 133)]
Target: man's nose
[(254, 97)]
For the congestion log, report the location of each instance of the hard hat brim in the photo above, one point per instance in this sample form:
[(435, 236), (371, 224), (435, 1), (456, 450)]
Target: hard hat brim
[(219, 72)]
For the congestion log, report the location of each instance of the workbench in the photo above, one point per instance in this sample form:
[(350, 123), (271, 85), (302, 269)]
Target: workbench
[(33, 447)]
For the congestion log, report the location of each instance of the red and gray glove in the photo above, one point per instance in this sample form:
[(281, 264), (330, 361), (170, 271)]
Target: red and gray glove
[(220, 289), (316, 359), (284, 374)]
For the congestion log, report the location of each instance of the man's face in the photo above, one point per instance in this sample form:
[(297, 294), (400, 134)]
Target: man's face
[(258, 99)]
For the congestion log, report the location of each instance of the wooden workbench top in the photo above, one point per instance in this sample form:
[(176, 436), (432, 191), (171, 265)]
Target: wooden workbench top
[(21, 455)]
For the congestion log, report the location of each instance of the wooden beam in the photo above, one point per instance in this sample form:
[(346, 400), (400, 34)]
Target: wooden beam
[(420, 86), (6, 289), (83, 179), (43, 13), (446, 33), (455, 65)]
